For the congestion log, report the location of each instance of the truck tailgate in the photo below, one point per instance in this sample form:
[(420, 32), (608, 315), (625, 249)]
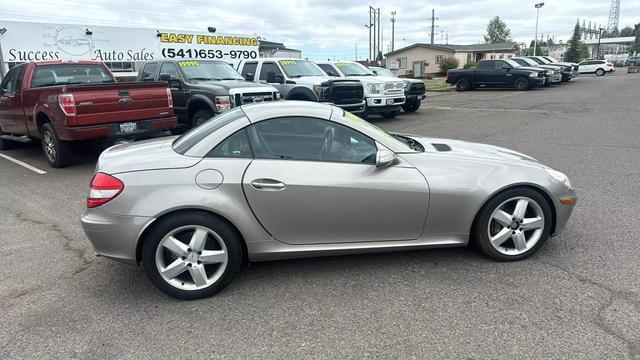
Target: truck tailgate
[(119, 102)]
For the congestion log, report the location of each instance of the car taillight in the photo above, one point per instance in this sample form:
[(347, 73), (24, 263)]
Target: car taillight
[(169, 98), (104, 188), (609, 65), (67, 104)]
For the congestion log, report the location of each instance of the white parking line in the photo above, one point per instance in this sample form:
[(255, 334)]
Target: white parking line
[(23, 164)]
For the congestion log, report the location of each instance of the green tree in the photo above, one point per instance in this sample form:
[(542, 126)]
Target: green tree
[(627, 31), (584, 51), (573, 51), (447, 64), (497, 31), (635, 47)]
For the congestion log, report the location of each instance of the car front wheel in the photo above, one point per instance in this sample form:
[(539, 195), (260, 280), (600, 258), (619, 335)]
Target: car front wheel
[(462, 85), (192, 255), (513, 225), (411, 106), (521, 84)]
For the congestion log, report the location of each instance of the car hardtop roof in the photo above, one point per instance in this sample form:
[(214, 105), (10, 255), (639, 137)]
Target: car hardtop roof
[(276, 59), (70, 62), (287, 108)]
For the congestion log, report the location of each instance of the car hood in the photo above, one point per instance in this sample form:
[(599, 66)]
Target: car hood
[(313, 80), (234, 84), (471, 149), (151, 154), (531, 68)]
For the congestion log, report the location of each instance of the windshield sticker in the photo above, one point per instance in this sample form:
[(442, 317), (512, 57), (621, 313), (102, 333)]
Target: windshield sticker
[(188, 63), (342, 64), (287, 62)]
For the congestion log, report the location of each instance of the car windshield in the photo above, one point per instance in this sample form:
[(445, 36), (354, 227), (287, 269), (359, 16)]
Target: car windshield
[(187, 140), (299, 68), (383, 72), (512, 63), (551, 59), (529, 61), (69, 74), (353, 69), (404, 141), (208, 70)]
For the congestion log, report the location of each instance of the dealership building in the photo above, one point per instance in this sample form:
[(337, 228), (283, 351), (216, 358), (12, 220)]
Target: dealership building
[(123, 49)]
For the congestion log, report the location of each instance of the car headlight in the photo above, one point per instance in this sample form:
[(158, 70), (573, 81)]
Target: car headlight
[(278, 95), (533, 74), (375, 88), (317, 89), (559, 176), (550, 72), (223, 103)]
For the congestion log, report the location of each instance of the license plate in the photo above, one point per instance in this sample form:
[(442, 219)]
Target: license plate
[(128, 127), (389, 101)]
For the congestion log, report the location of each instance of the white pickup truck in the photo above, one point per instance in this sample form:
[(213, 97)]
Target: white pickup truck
[(298, 79), (383, 95)]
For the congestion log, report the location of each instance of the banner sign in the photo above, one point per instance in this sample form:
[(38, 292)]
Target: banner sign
[(27, 41)]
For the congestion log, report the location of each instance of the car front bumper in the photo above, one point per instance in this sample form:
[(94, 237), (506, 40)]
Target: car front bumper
[(538, 82), (555, 78), (385, 101), (352, 108), (113, 236)]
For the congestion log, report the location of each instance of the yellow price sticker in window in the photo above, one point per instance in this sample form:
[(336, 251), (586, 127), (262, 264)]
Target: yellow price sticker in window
[(287, 62), (189, 63)]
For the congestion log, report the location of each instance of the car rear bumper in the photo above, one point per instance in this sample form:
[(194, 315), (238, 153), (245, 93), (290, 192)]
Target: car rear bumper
[(113, 236), (112, 130)]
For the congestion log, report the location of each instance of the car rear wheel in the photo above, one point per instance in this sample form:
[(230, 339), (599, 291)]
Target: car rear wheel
[(192, 255), (599, 72), (411, 106), (200, 117), (462, 85), (57, 152), (513, 225), (521, 84)]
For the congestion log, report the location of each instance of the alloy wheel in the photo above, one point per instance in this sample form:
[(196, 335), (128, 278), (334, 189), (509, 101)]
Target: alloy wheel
[(191, 257), (49, 146), (516, 226), (521, 84)]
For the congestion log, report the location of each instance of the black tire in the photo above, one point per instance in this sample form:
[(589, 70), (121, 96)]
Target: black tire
[(463, 85), (521, 84), (600, 72), (200, 117), (227, 233), (390, 114), (411, 106), (480, 229), (57, 152), (6, 144)]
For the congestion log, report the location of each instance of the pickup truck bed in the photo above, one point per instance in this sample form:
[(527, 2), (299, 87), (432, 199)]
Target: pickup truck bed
[(61, 102)]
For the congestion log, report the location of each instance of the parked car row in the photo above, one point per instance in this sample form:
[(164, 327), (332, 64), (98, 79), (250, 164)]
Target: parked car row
[(521, 73), (63, 102)]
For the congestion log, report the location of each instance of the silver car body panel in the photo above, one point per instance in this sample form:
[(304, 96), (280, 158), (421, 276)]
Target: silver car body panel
[(425, 199)]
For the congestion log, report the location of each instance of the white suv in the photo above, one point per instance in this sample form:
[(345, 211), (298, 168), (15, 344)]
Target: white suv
[(598, 67), (383, 95)]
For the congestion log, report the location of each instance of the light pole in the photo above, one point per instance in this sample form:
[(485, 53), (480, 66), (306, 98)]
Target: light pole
[(535, 43), (369, 27), (393, 29), (599, 37)]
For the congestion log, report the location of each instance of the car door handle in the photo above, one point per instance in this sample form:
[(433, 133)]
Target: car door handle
[(268, 184)]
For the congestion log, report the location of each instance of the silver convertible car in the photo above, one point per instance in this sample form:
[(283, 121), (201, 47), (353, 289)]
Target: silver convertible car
[(298, 179)]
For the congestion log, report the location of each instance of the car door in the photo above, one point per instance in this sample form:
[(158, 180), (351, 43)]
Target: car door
[(12, 117), (315, 181), (181, 95), (484, 72), (502, 74)]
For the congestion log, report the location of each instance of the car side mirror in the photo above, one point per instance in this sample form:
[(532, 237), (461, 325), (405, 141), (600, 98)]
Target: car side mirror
[(506, 67), (249, 76), (174, 83), (273, 78), (384, 158)]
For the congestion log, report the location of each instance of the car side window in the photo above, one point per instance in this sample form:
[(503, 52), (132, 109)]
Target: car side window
[(12, 80), (249, 68), (330, 70), (310, 139), (269, 67), (170, 69), (498, 65), (486, 64), (149, 71), (235, 146)]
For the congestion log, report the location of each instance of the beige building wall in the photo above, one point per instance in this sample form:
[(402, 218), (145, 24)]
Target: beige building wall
[(463, 57), (497, 55), (403, 63)]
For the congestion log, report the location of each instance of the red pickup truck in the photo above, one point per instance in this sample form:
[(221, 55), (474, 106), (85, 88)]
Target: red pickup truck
[(60, 102)]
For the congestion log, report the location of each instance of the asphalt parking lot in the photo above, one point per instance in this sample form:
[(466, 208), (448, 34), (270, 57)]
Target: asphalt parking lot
[(578, 297)]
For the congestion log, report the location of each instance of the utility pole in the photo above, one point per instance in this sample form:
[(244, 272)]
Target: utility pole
[(375, 28), (369, 26), (393, 30), (535, 44), (433, 24), (356, 51), (379, 36), (599, 36)]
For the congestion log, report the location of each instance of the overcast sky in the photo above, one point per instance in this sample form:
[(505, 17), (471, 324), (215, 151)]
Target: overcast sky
[(328, 28)]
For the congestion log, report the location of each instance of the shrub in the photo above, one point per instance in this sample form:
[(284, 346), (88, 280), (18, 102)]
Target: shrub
[(470, 64), (447, 64)]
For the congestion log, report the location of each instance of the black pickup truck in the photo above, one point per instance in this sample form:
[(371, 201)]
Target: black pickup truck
[(496, 73), (202, 89)]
